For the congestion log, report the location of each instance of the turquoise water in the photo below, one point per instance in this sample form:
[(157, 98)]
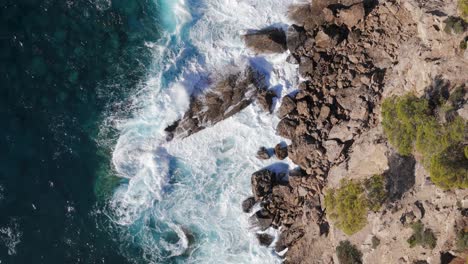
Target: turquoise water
[(86, 90), (63, 66)]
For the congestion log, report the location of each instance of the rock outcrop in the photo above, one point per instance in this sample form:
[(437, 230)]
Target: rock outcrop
[(269, 40), (349, 53), (226, 98)]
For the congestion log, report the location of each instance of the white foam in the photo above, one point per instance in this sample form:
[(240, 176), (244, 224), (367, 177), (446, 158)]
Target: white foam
[(211, 175)]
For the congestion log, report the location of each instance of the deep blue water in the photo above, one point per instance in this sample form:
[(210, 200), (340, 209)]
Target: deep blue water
[(63, 65)]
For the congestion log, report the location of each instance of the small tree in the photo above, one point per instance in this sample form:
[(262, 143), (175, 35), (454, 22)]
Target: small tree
[(348, 254)]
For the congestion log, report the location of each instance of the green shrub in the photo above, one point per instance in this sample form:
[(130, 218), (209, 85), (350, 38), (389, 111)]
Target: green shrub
[(463, 7), (376, 193), (408, 123), (454, 25), (422, 236), (449, 169), (348, 254), (462, 240), (466, 151), (347, 207)]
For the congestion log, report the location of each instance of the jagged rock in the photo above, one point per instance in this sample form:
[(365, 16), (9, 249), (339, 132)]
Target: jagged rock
[(269, 40), (225, 99), (286, 128), (263, 153), (292, 60), (262, 183), (248, 204), (265, 239), (323, 40), (351, 16), (288, 237), (265, 100), (261, 220), (296, 36), (341, 132), (281, 151), (287, 106), (333, 149)]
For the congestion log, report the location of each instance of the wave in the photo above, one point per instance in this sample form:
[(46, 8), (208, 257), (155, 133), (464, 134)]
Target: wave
[(181, 200)]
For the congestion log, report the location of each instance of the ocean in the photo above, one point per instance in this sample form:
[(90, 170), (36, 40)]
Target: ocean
[(87, 88)]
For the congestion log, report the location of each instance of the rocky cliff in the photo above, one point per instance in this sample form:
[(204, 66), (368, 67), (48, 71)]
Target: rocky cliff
[(351, 54)]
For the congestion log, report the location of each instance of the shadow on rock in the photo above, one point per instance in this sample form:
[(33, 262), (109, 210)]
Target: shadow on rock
[(400, 176)]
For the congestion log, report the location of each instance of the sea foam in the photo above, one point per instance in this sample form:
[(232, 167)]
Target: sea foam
[(181, 202)]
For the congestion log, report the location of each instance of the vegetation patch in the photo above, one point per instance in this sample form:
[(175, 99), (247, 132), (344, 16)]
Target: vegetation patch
[(422, 236), (348, 205), (462, 240), (409, 123), (463, 7), (455, 25), (348, 253)]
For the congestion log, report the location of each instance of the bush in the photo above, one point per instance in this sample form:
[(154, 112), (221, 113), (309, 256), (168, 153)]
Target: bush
[(401, 118), (463, 7), (462, 240), (422, 236), (408, 123), (449, 169), (348, 254), (454, 25), (347, 207)]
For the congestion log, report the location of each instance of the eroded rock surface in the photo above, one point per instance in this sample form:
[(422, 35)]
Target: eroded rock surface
[(226, 98)]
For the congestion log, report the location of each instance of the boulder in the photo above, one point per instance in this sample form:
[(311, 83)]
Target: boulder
[(286, 128), (262, 183), (265, 239), (341, 131), (351, 16), (296, 36), (248, 204), (269, 40), (288, 105), (261, 220), (263, 153), (333, 149), (281, 151), (265, 100)]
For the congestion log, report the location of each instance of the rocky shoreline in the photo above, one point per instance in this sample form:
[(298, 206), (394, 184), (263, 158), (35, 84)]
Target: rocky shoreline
[(351, 54)]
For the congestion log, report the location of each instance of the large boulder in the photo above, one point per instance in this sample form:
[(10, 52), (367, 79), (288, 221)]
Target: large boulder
[(269, 40), (262, 183), (286, 128), (248, 204), (229, 96), (287, 106), (281, 151)]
